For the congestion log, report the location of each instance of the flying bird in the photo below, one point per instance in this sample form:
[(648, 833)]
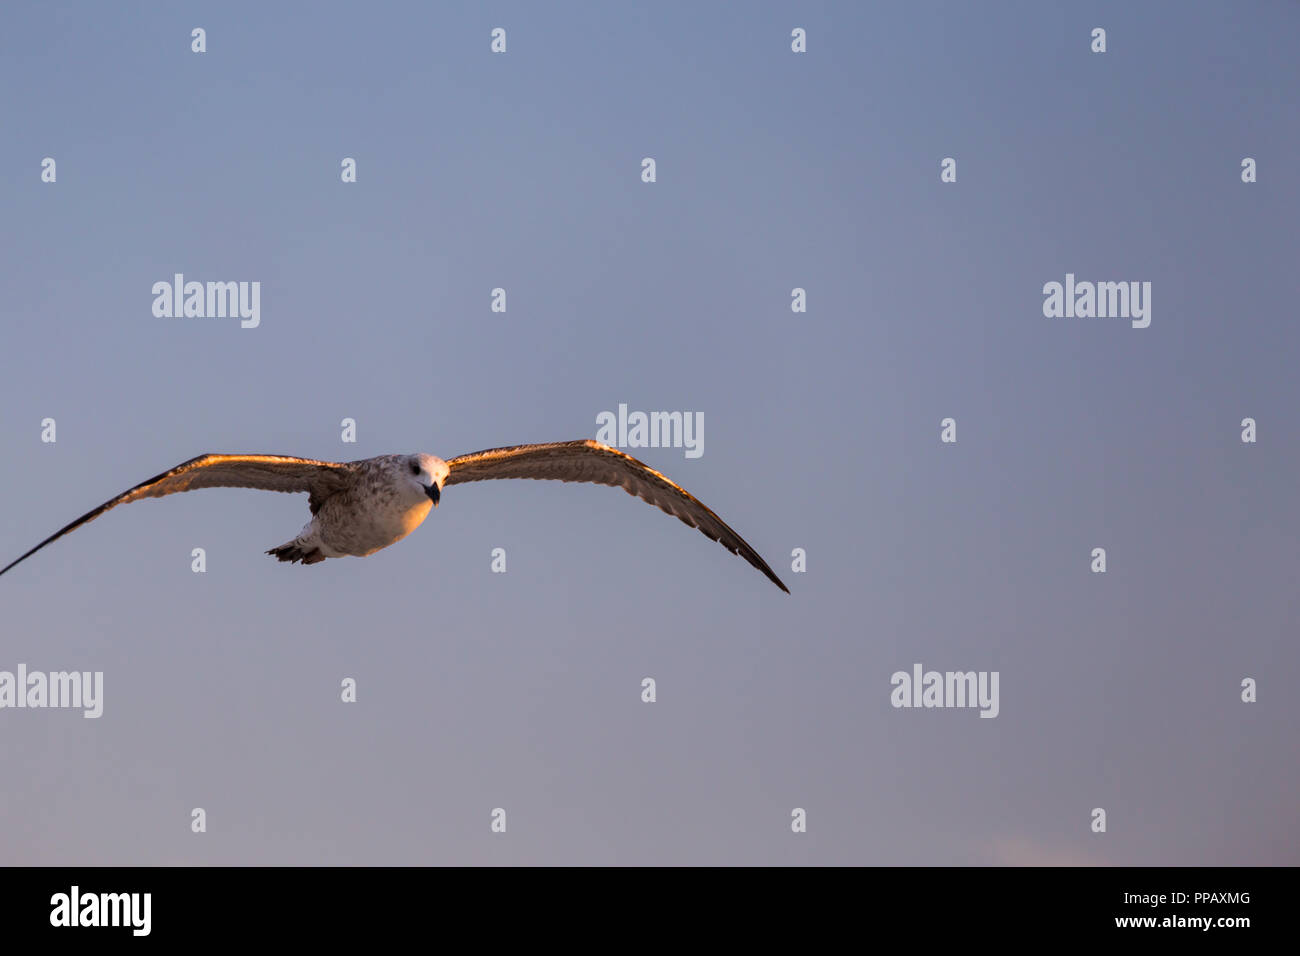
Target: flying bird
[(360, 507)]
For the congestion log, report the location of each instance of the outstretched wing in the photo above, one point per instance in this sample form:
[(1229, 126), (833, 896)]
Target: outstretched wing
[(268, 472), (591, 461)]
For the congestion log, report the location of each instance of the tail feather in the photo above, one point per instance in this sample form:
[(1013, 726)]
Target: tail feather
[(294, 552)]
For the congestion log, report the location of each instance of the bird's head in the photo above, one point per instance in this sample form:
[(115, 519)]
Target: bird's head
[(428, 472)]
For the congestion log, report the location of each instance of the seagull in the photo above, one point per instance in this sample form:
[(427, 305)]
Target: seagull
[(360, 507)]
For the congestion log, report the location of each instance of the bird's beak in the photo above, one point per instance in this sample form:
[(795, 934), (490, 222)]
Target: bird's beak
[(434, 493)]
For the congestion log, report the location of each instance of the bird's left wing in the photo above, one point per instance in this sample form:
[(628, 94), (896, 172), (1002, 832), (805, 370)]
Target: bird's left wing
[(268, 472), (587, 460)]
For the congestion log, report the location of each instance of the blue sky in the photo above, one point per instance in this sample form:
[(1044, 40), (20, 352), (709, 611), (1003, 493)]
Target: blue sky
[(775, 170)]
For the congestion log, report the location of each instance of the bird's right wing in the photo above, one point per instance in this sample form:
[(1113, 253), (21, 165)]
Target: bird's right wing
[(592, 461), (267, 472)]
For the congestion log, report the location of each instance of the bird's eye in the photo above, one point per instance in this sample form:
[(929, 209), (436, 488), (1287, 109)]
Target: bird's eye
[(415, 468)]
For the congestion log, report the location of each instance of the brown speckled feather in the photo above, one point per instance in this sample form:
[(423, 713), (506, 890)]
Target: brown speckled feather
[(267, 472), (590, 461)]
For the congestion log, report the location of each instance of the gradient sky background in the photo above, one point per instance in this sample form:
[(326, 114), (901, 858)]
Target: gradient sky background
[(481, 690)]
